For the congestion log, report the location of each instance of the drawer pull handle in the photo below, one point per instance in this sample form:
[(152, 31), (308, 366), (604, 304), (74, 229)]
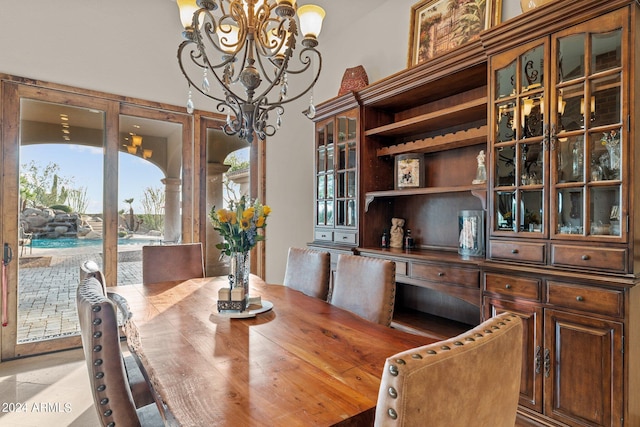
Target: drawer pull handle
[(586, 257), (579, 298), (345, 237), (507, 286), (440, 274), (514, 251)]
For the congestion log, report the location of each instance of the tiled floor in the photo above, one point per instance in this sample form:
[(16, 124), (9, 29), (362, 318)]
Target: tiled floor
[(47, 390)]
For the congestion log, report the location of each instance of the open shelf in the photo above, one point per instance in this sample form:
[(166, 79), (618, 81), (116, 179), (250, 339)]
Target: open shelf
[(419, 323), (478, 190), (463, 138), (474, 109)]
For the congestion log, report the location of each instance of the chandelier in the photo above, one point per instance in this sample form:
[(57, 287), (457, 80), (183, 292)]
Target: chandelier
[(248, 47)]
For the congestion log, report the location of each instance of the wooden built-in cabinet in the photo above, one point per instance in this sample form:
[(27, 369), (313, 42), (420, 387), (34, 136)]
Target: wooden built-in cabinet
[(551, 96)]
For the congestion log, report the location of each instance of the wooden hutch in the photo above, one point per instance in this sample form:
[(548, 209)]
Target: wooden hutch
[(552, 97)]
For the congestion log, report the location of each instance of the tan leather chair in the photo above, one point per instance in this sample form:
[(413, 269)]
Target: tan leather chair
[(309, 272), (366, 287), (163, 263), (140, 390), (112, 396), (91, 269), (469, 380)]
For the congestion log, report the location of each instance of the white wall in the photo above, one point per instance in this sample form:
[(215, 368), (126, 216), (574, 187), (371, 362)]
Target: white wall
[(129, 48)]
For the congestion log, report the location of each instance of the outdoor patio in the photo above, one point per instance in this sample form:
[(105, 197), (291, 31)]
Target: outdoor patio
[(47, 289)]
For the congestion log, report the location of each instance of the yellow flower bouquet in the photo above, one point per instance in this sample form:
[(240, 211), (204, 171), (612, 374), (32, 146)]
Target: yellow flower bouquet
[(239, 225)]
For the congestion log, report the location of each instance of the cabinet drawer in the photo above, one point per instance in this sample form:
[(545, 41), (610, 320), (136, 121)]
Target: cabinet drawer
[(441, 273), (610, 259), (513, 286), (344, 237), (585, 298), (323, 235), (518, 251), (401, 268)]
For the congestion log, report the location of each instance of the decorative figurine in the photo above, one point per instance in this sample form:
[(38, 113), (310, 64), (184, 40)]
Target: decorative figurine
[(397, 233), (481, 173)]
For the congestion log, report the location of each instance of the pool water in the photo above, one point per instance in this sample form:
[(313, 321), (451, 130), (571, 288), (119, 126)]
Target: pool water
[(68, 242)]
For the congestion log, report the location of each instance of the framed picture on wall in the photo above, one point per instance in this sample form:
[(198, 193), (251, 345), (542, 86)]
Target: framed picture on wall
[(437, 27)]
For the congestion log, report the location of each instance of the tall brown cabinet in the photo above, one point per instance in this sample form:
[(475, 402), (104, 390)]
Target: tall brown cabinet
[(551, 97)]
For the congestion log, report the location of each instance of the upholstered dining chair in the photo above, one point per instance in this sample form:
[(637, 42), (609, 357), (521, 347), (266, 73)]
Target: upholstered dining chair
[(90, 268), (112, 396), (308, 271), (472, 379), (162, 263), (140, 390), (366, 287)]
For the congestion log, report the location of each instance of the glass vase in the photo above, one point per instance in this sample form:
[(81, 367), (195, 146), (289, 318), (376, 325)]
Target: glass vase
[(239, 271)]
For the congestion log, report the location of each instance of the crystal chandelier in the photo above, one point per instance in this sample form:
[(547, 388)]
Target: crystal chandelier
[(248, 47)]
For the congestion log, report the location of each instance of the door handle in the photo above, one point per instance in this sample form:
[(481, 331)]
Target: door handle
[(7, 256)]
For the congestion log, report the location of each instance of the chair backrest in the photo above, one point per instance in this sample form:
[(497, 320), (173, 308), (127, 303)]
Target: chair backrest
[(469, 380), (101, 343), (91, 269), (162, 263), (365, 286), (308, 271)]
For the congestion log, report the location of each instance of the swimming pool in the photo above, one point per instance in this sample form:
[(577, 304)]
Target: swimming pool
[(69, 242)]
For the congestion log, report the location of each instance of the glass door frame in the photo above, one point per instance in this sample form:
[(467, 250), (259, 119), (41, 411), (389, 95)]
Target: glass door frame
[(12, 90)]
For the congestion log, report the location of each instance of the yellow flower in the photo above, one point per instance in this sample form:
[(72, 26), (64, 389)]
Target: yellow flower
[(232, 217), (248, 213), (223, 215), (266, 210), (245, 223), (260, 222)]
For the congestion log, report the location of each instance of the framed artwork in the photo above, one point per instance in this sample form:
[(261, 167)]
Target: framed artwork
[(409, 171), (437, 27)]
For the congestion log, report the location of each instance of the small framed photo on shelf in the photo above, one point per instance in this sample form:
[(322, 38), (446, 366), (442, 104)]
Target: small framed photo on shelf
[(409, 171)]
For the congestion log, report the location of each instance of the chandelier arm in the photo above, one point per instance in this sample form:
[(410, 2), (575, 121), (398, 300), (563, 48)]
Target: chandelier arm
[(313, 82)]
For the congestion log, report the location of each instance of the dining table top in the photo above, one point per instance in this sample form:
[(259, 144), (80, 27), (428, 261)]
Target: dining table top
[(304, 362)]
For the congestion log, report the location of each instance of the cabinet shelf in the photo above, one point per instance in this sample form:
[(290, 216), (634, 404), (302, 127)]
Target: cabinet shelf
[(474, 109), (478, 190), (449, 141)]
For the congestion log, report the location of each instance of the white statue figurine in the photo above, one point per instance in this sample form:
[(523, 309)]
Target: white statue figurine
[(397, 233), (481, 173)]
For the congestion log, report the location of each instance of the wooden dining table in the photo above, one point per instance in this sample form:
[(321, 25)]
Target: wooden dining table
[(305, 362)]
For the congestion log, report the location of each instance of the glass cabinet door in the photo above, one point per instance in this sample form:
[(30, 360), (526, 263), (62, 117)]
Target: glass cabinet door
[(324, 174), (346, 197), (587, 136), (519, 140)]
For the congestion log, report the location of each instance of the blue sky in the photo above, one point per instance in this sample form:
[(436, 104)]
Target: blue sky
[(84, 166)]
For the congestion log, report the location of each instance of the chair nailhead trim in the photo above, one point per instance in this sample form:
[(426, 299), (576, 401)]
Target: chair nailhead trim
[(97, 334), (99, 375), (97, 348), (416, 356), (108, 413), (458, 343), (111, 425), (97, 321), (392, 392), (393, 370), (96, 308), (432, 352), (392, 413), (469, 339), (101, 387), (104, 401), (98, 362), (445, 347), (401, 362)]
